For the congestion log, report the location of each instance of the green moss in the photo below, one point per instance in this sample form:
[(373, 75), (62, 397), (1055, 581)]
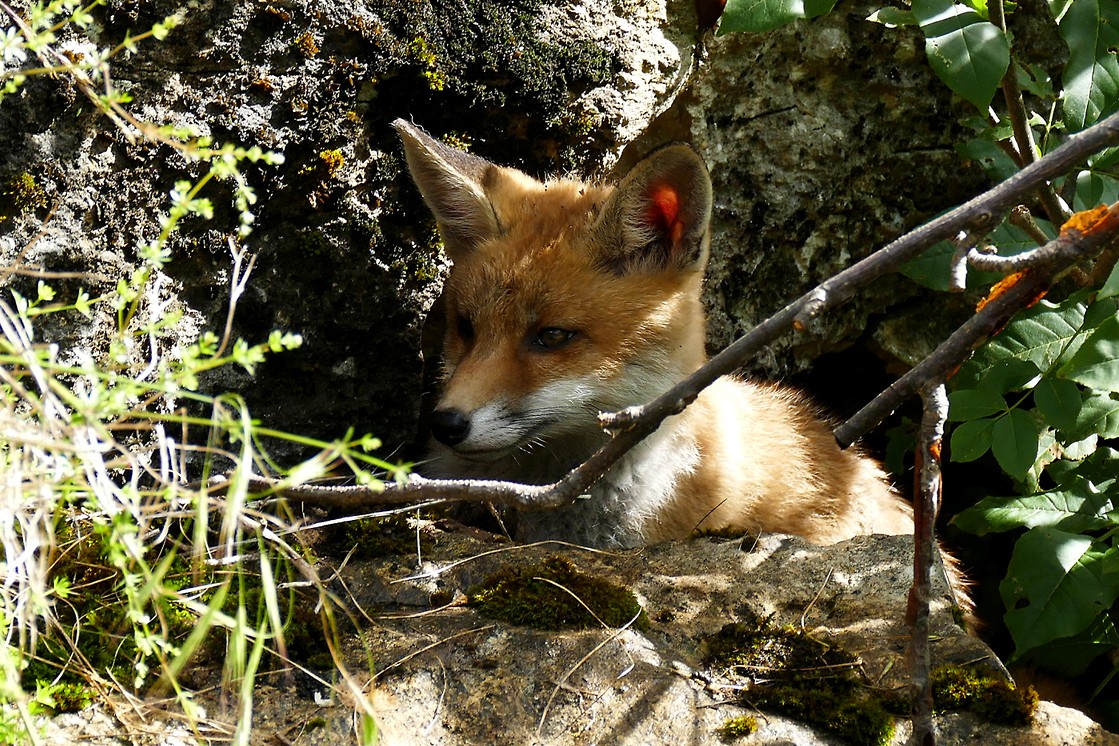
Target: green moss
[(986, 694), (19, 194), (806, 679), (554, 595), (313, 243), (421, 52), (782, 653), (738, 727), (391, 536)]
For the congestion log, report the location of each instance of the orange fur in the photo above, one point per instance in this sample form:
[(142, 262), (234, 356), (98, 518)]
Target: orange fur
[(566, 299)]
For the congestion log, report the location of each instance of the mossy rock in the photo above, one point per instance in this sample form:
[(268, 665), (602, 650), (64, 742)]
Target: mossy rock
[(554, 595), (989, 696), (805, 678)]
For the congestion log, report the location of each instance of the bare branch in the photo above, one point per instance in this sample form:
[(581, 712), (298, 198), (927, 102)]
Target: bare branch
[(631, 425), (927, 506), (1048, 263), (1020, 217), (1019, 124), (350, 497)]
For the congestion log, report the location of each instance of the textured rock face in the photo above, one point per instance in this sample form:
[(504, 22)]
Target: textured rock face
[(452, 676), (347, 255), (825, 140)]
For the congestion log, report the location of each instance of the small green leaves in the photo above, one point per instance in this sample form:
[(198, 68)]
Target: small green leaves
[(1015, 440), (968, 53), (1096, 362), (1090, 28), (765, 15), (279, 341)]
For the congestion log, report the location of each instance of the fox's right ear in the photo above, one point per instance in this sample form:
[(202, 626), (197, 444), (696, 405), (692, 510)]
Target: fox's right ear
[(451, 183)]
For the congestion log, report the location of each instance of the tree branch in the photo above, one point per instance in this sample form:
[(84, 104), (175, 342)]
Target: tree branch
[(927, 495), (1019, 123), (631, 425), (1040, 268)]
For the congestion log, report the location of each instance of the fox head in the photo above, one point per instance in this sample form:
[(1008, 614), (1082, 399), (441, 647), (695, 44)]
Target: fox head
[(564, 299)]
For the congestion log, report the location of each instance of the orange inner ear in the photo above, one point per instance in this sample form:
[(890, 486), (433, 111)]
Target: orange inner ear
[(664, 212)]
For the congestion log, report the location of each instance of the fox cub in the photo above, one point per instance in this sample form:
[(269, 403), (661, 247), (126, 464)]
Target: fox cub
[(566, 299)]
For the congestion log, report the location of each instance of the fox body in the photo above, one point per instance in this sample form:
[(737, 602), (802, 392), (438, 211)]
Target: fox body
[(566, 299)]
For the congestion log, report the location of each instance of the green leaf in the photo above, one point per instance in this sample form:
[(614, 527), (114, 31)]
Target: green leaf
[(1110, 286), (969, 54), (1096, 362), (1006, 375), (1045, 335), (756, 16), (1014, 442), (995, 161), (1069, 656), (1082, 507), (971, 439), (1090, 28), (1058, 401), (972, 404), (1058, 8), (1056, 586), (1099, 414), (892, 17), (1094, 189), (1100, 467)]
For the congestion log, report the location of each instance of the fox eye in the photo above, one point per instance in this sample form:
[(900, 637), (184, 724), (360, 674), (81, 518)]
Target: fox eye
[(465, 328), (552, 338)]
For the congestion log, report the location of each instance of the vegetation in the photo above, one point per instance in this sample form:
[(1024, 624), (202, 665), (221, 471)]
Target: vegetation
[(1042, 399), (555, 595), (125, 558), (795, 674)]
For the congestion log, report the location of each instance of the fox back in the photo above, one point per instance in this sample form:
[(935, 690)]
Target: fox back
[(566, 299)]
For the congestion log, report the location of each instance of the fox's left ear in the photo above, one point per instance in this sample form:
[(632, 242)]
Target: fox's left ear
[(658, 216)]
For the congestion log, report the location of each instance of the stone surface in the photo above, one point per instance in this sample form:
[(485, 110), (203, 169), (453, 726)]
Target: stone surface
[(347, 255), (446, 675), (824, 139)]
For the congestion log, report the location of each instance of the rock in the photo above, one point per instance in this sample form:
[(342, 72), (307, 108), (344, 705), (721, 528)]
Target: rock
[(346, 254), (445, 674), (824, 139)]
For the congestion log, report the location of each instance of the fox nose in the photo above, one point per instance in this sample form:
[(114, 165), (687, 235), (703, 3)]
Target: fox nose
[(449, 426)]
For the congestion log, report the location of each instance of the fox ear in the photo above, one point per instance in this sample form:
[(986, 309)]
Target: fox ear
[(659, 215), (451, 183)]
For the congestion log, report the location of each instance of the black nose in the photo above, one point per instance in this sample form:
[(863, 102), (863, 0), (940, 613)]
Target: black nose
[(449, 426)]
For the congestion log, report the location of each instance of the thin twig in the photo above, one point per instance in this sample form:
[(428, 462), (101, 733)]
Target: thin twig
[(1020, 125), (1020, 217)]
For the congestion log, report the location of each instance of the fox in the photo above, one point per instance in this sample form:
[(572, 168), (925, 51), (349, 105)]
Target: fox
[(567, 298)]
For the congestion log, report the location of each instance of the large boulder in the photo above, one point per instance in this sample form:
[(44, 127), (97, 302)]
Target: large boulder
[(824, 140)]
